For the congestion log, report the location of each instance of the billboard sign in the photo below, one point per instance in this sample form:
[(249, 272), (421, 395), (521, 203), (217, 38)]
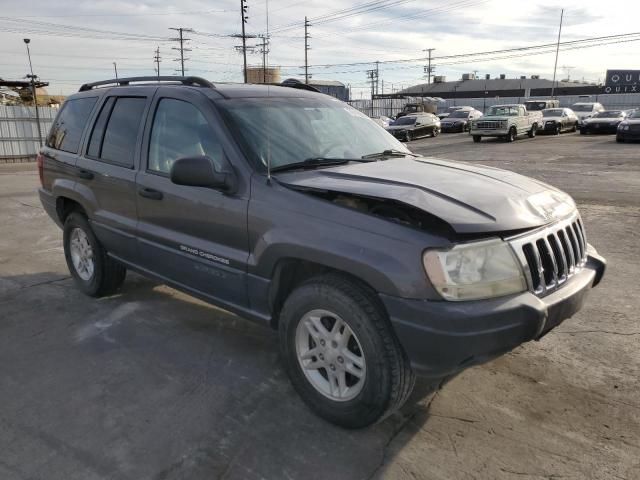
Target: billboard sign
[(622, 81)]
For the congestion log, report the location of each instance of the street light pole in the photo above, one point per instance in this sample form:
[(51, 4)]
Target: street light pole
[(33, 91), (115, 69)]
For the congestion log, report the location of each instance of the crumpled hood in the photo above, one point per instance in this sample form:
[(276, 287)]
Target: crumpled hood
[(470, 198)]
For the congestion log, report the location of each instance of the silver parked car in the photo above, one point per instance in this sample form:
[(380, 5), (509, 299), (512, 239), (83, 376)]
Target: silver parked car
[(415, 126), (382, 120), (459, 120), (558, 120)]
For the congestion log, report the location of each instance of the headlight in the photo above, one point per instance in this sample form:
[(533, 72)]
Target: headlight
[(475, 271)]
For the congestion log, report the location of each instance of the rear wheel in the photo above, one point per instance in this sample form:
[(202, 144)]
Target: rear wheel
[(512, 135), (533, 131), (94, 272), (477, 138), (341, 352), (435, 132)]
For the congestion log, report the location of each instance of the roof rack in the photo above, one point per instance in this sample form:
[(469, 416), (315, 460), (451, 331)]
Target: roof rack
[(295, 83), (192, 81)]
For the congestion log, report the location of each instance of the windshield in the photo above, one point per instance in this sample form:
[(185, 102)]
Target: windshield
[(459, 114), (608, 114), (635, 114), (552, 112), (587, 107), (289, 130), (503, 111), (533, 106), (405, 121)]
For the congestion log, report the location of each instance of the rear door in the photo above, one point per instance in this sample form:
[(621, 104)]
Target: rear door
[(195, 237), (107, 169)]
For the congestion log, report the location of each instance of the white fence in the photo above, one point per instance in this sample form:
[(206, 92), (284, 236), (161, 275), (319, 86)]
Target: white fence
[(389, 106), (19, 131)]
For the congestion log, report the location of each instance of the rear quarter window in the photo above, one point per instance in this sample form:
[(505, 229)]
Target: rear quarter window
[(67, 129)]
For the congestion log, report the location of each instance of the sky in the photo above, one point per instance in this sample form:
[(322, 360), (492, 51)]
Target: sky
[(77, 41)]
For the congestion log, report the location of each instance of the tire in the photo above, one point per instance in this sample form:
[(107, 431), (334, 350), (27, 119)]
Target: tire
[(558, 130), (386, 379), (409, 136), (583, 131), (435, 132), (575, 128), (477, 138), (533, 131), (93, 271), (619, 139), (512, 135)]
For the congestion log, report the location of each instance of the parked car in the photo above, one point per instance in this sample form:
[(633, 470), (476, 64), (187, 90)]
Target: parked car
[(458, 121), (383, 121), (606, 121), (415, 108), (539, 105), (292, 209), (450, 110), (506, 121), (585, 110), (558, 120), (410, 127), (629, 128)]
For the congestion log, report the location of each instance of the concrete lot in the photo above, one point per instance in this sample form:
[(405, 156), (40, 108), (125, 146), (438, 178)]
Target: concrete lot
[(152, 384)]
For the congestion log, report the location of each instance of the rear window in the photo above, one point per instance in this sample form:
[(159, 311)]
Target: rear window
[(115, 133), (67, 129)]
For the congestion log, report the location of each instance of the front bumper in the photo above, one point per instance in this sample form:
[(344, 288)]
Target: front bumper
[(442, 338), (599, 128), (633, 135), (550, 127), (489, 132), (452, 127)]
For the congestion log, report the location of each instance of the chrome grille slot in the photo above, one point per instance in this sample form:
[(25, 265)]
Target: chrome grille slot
[(488, 124), (552, 255)]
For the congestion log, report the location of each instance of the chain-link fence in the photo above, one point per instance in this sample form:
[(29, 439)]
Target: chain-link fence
[(19, 132)]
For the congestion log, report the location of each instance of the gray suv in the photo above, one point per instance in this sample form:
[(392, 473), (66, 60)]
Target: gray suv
[(295, 210)]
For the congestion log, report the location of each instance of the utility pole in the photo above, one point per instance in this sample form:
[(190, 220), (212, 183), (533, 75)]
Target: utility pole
[(568, 70), (306, 49), (429, 69), (555, 67), (181, 39), (157, 59), (372, 77), (377, 75), (264, 49), (244, 18), (33, 77), (115, 69)]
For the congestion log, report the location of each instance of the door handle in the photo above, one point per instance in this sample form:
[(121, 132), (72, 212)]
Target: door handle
[(150, 193), (86, 174)]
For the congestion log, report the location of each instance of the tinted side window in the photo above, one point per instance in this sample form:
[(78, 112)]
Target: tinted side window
[(66, 131), (180, 130), (121, 134), (95, 142)]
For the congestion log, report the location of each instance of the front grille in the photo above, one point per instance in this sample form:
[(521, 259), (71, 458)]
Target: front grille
[(552, 255), (635, 127), (488, 125)]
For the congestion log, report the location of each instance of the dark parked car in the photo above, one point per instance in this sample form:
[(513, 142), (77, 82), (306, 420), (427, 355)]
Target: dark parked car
[(293, 209), (558, 120), (458, 121), (606, 121), (629, 129), (415, 126)]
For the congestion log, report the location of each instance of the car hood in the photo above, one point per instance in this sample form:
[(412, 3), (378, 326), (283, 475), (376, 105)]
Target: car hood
[(470, 198), (453, 120)]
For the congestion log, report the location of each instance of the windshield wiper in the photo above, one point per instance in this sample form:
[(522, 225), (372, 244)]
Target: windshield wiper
[(389, 153), (314, 162)]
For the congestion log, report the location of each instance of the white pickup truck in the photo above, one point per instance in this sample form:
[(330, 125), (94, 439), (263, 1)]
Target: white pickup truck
[(506, 121)]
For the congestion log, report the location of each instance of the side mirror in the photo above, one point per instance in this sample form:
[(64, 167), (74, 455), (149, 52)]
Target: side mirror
[(201, 172)]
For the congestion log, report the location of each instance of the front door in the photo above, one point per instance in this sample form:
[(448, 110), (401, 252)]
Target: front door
[(194, 237)]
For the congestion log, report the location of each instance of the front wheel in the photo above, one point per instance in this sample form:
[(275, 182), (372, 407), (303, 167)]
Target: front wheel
[(94, 272), (409, 136), (512, 135), (619, 139), (435, 132), (341, 353), (558, 130), (477, 138)]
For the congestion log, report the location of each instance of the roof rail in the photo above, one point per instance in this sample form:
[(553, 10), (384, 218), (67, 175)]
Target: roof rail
[(193, 81), (295, 83)]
